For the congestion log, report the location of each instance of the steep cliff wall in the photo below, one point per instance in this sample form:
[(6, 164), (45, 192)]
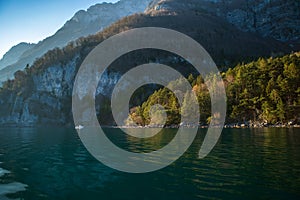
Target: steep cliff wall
[(48, 101)]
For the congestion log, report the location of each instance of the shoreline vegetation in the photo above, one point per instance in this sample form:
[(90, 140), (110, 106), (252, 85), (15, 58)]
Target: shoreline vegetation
[(262, 93)]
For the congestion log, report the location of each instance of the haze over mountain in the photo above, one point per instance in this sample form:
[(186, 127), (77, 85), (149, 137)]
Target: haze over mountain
[(14, 54), (83, 23)]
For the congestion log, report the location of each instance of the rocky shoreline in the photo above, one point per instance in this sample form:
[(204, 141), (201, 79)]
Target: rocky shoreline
[(184, 125), (231, 125)]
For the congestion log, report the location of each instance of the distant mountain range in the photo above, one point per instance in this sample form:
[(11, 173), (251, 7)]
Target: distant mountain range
[(83, 23), (14, 54)]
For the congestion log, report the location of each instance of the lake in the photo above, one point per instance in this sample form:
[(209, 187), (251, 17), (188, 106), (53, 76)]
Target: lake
[(52, 163)]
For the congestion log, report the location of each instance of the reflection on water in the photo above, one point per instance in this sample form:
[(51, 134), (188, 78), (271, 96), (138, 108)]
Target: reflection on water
[(124, 159), (245, 164), (139, 145)]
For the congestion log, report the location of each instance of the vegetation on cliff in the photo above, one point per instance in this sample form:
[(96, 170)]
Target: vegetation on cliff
[(266, 90)]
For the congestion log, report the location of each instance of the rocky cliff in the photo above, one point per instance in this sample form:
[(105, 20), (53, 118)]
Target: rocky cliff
[(278, 19), (46, 99)]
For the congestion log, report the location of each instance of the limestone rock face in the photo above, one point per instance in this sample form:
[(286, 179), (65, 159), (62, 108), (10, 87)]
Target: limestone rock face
[(49, 100)]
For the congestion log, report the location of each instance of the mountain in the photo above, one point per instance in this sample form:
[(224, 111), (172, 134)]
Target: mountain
[(42, 94), (278, 19), (14, 54), (83, 23)]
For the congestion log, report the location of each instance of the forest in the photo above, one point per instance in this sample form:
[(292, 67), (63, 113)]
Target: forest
[(262, 91)]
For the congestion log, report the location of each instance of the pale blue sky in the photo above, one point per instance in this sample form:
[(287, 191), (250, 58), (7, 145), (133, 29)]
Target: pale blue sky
[(34, 20)]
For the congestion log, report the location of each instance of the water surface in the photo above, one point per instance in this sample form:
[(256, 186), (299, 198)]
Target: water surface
[(52, 163)]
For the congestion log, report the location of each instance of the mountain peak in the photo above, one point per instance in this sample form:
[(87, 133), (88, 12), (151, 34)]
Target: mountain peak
[(15, 53), (83, 23)]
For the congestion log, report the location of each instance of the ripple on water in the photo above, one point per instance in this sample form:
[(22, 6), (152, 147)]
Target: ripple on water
[(3, 171), (11, 188)]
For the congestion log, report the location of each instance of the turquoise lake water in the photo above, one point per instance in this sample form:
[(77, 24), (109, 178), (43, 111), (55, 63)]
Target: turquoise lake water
[(52, 163)]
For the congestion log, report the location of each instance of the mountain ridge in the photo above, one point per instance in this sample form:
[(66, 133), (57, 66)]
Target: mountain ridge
[(14, 53), (83, 23)]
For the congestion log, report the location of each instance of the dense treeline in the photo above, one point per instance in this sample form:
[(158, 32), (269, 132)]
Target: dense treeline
[(266, 90)]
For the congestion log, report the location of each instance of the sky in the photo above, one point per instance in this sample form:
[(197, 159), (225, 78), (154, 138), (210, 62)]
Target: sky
[(33, 20)]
